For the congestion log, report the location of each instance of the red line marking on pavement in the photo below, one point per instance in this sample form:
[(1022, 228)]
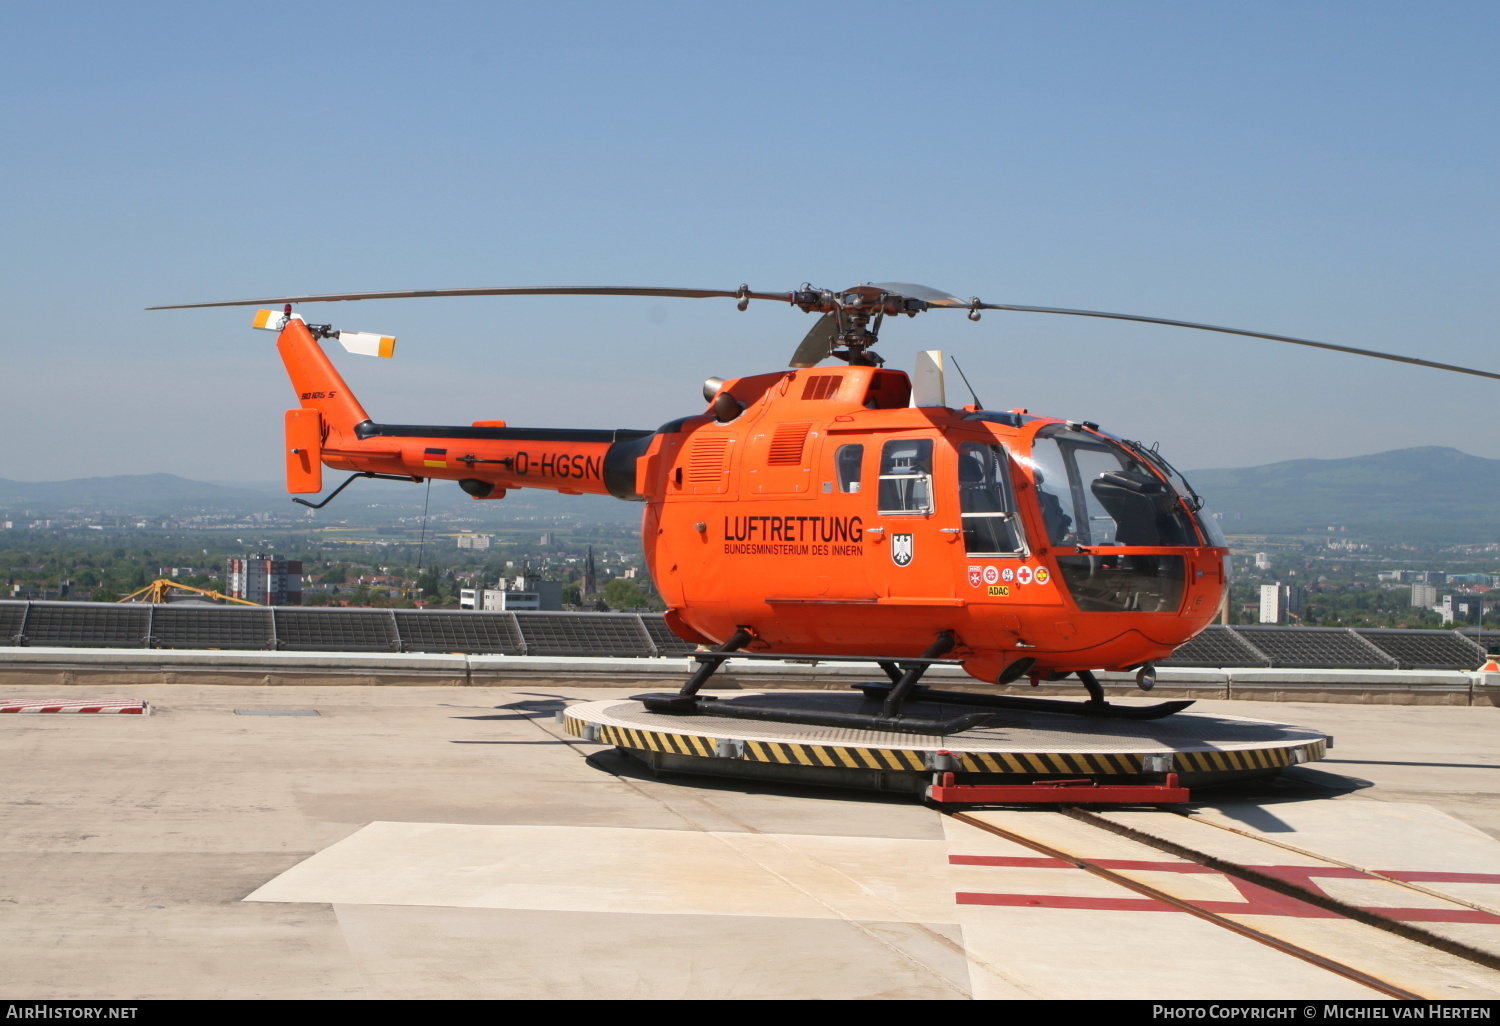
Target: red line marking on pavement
[(1418, 875), (1018, 862), (1064, 901), (1258, 900)]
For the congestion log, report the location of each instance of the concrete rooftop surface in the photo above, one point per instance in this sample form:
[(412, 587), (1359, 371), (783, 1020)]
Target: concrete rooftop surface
[(452, 842)]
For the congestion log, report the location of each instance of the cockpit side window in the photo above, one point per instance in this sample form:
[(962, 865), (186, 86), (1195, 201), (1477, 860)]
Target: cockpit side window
[(847, 462), (985, 504), (1049, 471), (906, 476)]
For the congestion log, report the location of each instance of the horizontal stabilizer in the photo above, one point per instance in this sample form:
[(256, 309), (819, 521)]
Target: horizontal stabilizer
[(304, 456)]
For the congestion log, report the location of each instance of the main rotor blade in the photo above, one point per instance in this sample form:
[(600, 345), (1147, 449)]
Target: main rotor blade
[(817, 345), (524, 290), (1249, 334), (930, 296)]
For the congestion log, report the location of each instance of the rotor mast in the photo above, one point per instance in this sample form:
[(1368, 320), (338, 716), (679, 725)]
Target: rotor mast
[(850, 325)]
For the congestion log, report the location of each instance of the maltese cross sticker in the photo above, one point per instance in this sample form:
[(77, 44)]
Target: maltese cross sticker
[(976, 575), (902, 549)]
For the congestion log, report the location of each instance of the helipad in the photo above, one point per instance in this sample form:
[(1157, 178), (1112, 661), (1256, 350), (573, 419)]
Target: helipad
[(1201, 747)]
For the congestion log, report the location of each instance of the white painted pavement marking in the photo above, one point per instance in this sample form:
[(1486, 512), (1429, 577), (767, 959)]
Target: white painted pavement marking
[(619, 869), (1113, 951)]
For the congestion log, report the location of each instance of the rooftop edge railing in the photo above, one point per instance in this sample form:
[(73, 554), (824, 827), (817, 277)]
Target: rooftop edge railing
[(342, 629)]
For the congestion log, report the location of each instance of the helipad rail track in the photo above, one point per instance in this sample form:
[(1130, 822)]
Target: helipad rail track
[(1273, 892)]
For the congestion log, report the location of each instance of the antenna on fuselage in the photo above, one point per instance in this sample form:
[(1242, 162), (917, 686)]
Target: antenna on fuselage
[(966, 383)]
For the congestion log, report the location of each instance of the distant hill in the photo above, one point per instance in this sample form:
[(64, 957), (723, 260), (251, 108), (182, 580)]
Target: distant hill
[(1433, 494), (168, 493), (140, 492)]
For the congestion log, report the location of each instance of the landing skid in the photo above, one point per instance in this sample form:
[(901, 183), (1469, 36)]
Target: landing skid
[(1093, 709), (766, 707), (902, 701)]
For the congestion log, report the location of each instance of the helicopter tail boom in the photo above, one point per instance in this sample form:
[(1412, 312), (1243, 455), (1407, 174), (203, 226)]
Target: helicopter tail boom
[(486, 458)]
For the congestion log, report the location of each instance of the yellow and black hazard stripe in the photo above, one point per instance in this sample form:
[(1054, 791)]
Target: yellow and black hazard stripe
[(785, 753), (1029, 763), (1033, 763), (1247, 759), (835, 756)]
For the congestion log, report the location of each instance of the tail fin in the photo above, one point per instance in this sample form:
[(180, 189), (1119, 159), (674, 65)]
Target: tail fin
[(317, 384), (329, 411)]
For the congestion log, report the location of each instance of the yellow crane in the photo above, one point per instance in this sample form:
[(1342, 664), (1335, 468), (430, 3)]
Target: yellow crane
[(158, 590)]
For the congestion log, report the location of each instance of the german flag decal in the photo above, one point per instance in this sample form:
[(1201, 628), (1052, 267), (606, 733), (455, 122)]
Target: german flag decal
[(435, 458)]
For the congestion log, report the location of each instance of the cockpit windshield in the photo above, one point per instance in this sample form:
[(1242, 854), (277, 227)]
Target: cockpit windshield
[(1098, 493), (1094, 491)]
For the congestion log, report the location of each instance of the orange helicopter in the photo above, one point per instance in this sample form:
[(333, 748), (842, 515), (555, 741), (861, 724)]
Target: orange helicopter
[(841, 512)]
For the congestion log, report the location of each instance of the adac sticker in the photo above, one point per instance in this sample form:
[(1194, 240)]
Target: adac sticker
[(991, 575), (976, 576), (1023, 575), (1042, 576)]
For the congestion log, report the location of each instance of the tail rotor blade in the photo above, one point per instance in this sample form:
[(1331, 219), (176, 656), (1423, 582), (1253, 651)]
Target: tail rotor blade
[(817, 346)]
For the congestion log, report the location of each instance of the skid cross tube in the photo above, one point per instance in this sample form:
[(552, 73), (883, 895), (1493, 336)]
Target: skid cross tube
[(772, 713), (708, 664), (902, 688), (1095, 710), (1095, 689)]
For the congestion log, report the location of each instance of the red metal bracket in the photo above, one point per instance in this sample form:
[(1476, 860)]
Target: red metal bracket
[(1057, 792)]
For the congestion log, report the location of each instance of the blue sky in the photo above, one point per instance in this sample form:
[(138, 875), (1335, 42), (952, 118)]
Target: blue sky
[(1323, 169)]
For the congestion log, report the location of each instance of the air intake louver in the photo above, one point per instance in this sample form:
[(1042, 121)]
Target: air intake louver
[(706, 460), (786, 445), (821, 386)]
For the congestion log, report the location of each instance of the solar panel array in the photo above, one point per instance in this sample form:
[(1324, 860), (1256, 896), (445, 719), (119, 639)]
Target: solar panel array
[(1333, 648), (1316, 648), (585, 633), (1427, 650), (295, 629), (76, 625), (1218, 646), (471, 633), (667, 643), (191, 626), (12, 621), (336, 630)]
